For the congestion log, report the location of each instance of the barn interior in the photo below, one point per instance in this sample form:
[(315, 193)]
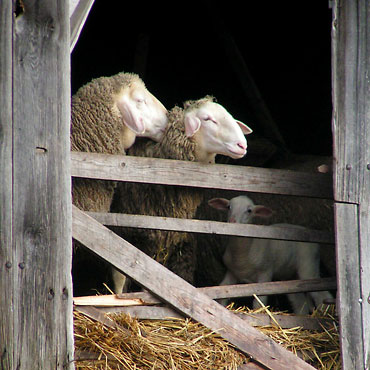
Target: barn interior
[(267, 63)]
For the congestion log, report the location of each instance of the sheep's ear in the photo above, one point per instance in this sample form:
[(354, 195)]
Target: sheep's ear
[(192, 124), (219, 203), (262, 211), (131, 116), (246, 130)]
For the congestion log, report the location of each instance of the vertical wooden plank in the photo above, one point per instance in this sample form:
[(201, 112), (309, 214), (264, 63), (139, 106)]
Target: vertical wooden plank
[(6, 259), (364, 216), (351, 130), (349, 285), (39, 284), (351, 96)]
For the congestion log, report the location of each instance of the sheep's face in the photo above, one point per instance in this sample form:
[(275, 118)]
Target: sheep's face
[(142, 112), (218, 131), (240, 209)]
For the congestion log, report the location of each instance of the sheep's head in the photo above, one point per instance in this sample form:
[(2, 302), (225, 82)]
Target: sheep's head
[(142, 112), (240, 209), (216, 130)]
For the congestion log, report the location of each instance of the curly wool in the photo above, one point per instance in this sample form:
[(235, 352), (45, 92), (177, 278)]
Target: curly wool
[(164, 201), (96, 127)]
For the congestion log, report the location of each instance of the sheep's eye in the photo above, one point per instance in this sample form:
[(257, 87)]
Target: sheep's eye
[(249, 210)]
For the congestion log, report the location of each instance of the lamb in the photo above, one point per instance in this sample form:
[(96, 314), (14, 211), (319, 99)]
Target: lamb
[(261, 260), (196, 133), (108, 114)]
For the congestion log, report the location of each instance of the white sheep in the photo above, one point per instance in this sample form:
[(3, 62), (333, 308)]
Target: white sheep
[(196, 133), (250, 260)]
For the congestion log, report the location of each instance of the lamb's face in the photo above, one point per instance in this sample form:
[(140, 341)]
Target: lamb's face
[(220, 133), (240, 209), (142, 112)]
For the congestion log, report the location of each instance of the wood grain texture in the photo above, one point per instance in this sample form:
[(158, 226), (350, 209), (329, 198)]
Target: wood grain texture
[(7, 274), (351, 129), (212, 227), (179, 294), (39, 284), (253, 319), (351, 96), (349, 286), (171, 172)]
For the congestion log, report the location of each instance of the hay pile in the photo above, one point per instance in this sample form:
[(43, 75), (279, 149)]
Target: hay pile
[(185, 344)]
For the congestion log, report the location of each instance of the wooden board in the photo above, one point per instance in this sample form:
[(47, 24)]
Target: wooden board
[(171, 172), (247, 290), (212, 227), (7, 275), (36, 322), (253, 319), (349, 285), (351, 129), (351, 96), (181, 295)]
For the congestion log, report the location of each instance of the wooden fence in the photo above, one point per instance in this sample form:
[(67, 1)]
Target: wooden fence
[(181, 296)]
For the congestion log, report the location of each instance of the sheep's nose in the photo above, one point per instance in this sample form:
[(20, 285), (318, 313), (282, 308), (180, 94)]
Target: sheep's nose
[(242, 145), (232, 220)]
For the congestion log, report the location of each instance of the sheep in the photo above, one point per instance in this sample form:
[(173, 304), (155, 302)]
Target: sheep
[(107, 115), (313, 213), (196, 133), (251, 260)]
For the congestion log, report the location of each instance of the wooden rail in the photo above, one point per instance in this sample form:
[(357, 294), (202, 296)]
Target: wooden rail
[(213, 227), (215, 176)]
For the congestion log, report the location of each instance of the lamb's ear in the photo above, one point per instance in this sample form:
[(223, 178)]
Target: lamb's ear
[(246, 130), (192, 124), (262, 211), (131, 115), (219, 203)]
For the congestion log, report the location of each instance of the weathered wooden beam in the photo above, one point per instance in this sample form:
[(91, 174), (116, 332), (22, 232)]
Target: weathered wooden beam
[(212, 227), (179, 294), (78, 12), (253, 319), (36, 322), (8, 325), (351, 133), (171, 172), (216, 292)]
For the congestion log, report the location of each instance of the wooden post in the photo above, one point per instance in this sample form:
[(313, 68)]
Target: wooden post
[(36, 327), (351, 129)]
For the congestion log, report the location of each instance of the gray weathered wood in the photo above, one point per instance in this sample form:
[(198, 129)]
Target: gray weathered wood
[(36, 323), (171, 172), (253, 319), (78, 12), (216, 292), (351, 129), (7, 275), (213, 227), (179, 294), (349, 285), (247, 290), (351, 96), (364, 235)]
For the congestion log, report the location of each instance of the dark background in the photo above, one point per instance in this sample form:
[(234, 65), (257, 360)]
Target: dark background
[(286, 46)]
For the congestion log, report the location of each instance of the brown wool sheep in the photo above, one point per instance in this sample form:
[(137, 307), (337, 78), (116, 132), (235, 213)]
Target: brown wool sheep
[(107, 115)]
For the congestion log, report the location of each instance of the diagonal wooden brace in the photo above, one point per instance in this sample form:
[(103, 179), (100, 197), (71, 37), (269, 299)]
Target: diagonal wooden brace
[(181, 295)]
